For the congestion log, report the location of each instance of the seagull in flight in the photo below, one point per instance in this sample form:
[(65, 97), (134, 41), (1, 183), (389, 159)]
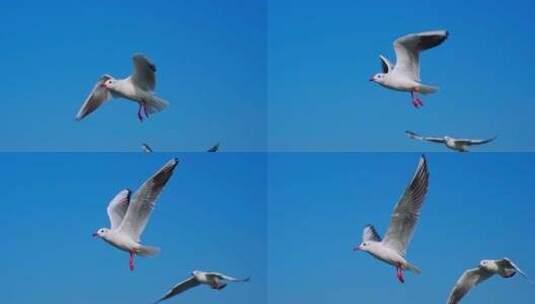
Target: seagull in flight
[(146, 148), (486, 269), (405, 74), (214, 148), (392, 249), (215, 280), (130, 214), (457, 144), (137, 87)]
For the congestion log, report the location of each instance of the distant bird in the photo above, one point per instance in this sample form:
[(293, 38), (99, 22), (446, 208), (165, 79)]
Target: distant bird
[(215, 280), (214, 148), (146, 148), (486, 269), (129, 216), (137, 87), (405, 74), (457, 144), (393, 248)]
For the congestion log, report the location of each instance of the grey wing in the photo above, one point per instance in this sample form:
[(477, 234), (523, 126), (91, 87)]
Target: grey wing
[(477, 141), (98, 95), (144, 199), (144, 73), (408, 47), (214, 148), (117, 208), (180, 287), (468, 280), (407, 210), (225, 277), (385, 64), (426, 138), (507, 264), (370, 234), (146, 148)]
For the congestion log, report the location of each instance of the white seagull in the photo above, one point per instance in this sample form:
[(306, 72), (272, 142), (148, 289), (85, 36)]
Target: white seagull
[(457, 144), (215, 280), (486, 269), (137, 87), (405, 74), (214, 148), (393, 248), (129, 216)]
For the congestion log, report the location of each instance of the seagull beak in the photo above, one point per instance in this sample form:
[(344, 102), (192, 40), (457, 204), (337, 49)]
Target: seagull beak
[(357, 248), (102, 85), (94, 234)]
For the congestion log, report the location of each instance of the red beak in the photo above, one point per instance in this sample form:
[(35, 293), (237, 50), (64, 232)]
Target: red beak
[(371, 79), (356, 248), (94, 234)]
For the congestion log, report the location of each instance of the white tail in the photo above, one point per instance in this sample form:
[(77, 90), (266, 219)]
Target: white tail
[(147, 251), (156, 104), (413, 268), (425, 89)]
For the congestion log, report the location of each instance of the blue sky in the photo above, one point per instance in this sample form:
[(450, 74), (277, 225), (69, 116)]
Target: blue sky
[(211, 67), (211, 216), (478, 206), (321, 54)]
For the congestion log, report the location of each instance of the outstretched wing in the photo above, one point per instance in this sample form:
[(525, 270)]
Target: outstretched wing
[(476, 141), (467, 281), (370, 234), (222, 276), (144, 73), (143, 201), (385, 64), (407, 50), (509, 268), (214, 148), (407, 210), (413, 135), (180, 287), (97, 97), (117, 208)]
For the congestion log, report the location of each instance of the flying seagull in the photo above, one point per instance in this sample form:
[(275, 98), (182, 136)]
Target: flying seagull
[(129, 215), (405, 74), (215, 280), (486, 269), (214, 148), (146, 148), (393, 248), (137, 87), (457, 144)]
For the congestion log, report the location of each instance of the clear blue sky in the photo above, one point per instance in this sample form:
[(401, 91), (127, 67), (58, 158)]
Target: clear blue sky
[(478, 206), (321, 54), (211, 216), (210, 57)]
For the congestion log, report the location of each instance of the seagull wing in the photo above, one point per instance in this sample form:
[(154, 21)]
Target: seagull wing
[(468, 280), (370, 234), (117, 208), (222, 276), (507, 264), (426, 138), (476, 141), (408, 47), (143, 201), (144, 73), (214, 148), (97, 97), (385, 64), (180, 287), (407, 210)]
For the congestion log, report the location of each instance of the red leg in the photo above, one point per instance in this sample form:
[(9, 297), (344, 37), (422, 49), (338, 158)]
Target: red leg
[(131, 261), (399, 274), (416, 101), (139, 113)]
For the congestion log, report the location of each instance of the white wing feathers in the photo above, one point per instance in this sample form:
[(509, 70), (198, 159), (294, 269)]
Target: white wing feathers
[(407, 210), (144, 73), (370, 234), (95, 99), (143, 201), (117, 208), (467, 281)]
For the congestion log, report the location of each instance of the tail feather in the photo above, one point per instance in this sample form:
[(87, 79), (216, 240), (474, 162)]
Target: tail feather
[(156, 104), (426, 89), (413, 268), (148, 251)]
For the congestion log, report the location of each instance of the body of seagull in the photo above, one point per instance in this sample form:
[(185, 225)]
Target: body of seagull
[(393, 248), (214, 148), (405, 74), (138, 87), (146, 148), (215, 280), (129, 214), (457, 144), (486, 269)]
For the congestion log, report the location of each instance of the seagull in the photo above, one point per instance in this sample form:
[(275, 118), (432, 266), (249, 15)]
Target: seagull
[(146, 148), (393, 248), (137, 87), (214, 148), (486, 269), (129, 216), (405, 74), (457, 144), (215, 280)]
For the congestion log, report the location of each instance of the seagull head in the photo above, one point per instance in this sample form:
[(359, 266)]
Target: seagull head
[(101, 233), (108, 84), (364, 246), (488, 265), (379, 78)]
